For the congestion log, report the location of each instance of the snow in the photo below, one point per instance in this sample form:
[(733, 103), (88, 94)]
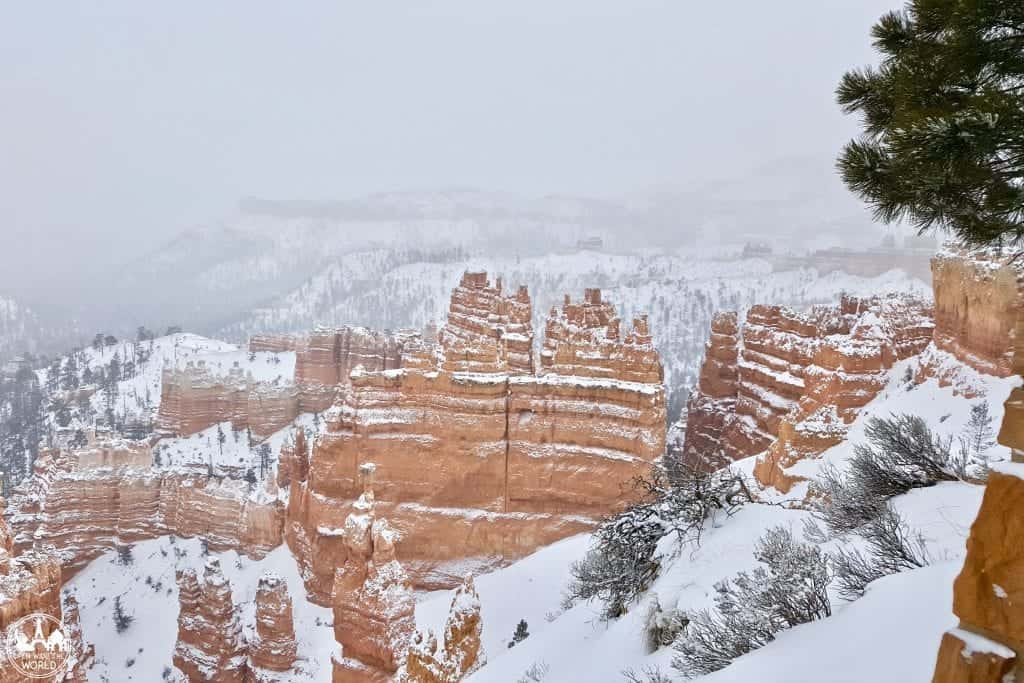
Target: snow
[(151, 638), (203, 448)]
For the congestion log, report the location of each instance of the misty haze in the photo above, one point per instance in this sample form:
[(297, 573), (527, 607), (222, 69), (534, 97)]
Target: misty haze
[(511, 342)]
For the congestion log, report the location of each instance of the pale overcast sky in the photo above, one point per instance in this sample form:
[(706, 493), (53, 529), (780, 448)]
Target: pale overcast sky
[(122, 122)]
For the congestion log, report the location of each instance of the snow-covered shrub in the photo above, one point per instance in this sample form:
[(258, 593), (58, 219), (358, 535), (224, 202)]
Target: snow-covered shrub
[(892, 547), (902, 453), (790, 588), (537, 672), (649, 674), (621, 562), (661, 627)]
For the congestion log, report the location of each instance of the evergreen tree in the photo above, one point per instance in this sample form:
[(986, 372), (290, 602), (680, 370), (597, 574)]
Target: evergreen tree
[(121, 620), (522, 632), (943, 143), (980, 434)]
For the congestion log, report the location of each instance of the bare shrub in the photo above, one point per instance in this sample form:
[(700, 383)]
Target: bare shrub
[(622, 561), (790, 588)]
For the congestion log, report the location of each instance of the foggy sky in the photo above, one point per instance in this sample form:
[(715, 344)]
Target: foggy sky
[(122, 123)]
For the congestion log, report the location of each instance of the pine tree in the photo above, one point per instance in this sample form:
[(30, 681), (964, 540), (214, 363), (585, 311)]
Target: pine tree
[(980, 434), (943, 142), (121, 620), (522, 632)]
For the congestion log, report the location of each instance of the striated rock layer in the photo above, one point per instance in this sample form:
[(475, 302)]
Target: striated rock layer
[(790, 382), (210, 646), (86, 512), (481, 315), (846, 371), (193, 399), (30, 583), (274, 648), (324, 361), (482, 467), (979, 296), (374, 608)]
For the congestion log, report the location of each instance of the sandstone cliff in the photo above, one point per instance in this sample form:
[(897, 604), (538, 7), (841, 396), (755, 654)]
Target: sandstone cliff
[(516, 461), (482, 315), (85, 510), (978, 299), (30, 583), (325, 360), (791, 382), (193, 398)]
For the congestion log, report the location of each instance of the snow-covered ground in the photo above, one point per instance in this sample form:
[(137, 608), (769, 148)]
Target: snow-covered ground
[(149, 593), (204, 448)]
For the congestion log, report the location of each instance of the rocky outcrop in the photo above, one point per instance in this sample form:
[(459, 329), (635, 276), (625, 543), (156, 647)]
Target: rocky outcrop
[(979, 296), (513, 461), (324, 361), (711, 408), (789, 382), (461, 652), (583, 340), (274, 648), (274, 343), (848, 367), (481, 317), (193, 398), (374, 608), (210, 645), (987, 594), (85, 511), (30, 583)]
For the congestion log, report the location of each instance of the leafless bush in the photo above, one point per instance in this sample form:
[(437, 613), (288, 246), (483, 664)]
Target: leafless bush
[(622, 563), (790, 588), (649, 674), (892, 547)]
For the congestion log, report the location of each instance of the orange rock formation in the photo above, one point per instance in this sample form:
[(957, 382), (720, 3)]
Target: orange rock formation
[(791, 382), (461, 653), (30, 582), (979, 296), (515, 461), (193, 399), (374, 608), (210, 646), (482, 318), (274, 648), (84, 510), (324, 361)]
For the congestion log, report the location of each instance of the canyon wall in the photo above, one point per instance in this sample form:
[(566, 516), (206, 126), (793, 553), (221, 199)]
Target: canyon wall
[(30, 583), (84, 512), (482, 467), (978, 299), (193, 398), (789, 382), (988, 643), (325, 359)]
